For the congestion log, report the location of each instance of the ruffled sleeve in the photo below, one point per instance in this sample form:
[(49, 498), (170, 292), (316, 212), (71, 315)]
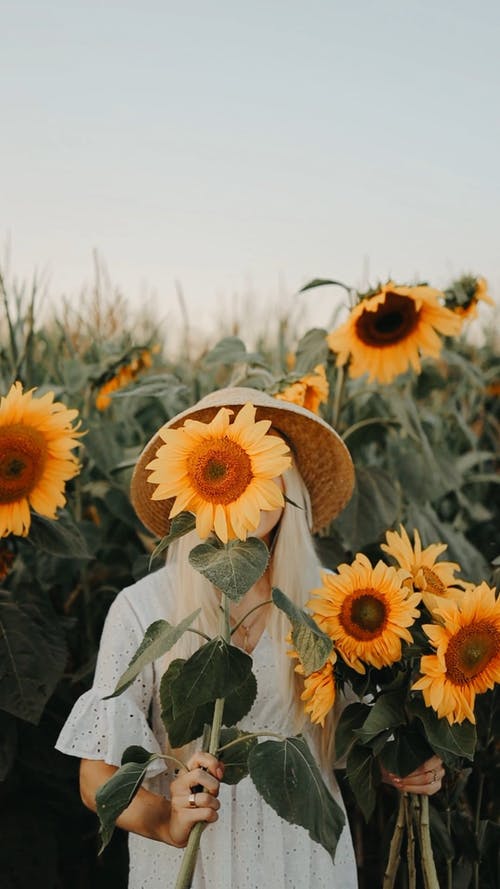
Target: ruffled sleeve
[(99, 729)]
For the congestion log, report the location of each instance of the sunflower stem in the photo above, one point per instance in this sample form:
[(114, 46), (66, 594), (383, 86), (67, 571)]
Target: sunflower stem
[(449, 860), (427, 858), (337, 399), (248, 737), (410, 844), (188, 864), (395, 847), (477, 821)]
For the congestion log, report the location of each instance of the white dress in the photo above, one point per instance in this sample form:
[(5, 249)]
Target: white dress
[(250, 846)]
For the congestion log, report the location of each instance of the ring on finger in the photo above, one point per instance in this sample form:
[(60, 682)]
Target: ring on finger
[(192, 801), (434, 777)]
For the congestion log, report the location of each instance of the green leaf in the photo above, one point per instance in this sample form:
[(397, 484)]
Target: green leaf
[(322, 282), (8, 743), (120, 507), (363, 776), (467, 461), (351, 718), (473, 564), (32, 657), (386, 713), (235, 758), (159, 638), (75, 375), (373, 507), (287, 777), (156, 385), (312, 644), (116, 794), (59, 537), (188, 725), (457, 739), (232, 568), (137, 754), (440, 835), (231, 350), (214, 671), (180, 525), (330, 552), (311, 351), (406, 752), (102, 447), (239, 702)]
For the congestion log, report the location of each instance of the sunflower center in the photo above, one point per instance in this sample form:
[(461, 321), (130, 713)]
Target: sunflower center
[(470, 651), (428, 580), (392, 321), (364, 615), (23, 452), (219, 470)]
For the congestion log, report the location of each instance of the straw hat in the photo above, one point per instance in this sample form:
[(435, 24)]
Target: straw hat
[(320, 454)]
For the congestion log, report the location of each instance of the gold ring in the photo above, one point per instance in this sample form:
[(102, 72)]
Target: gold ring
[(192, 801)]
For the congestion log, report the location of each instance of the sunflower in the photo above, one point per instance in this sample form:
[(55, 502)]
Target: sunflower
[(465, 295), (319, 690), (309, 392), (222, 472), (433, 579), (319, 687), (467, 658), (366, 611), (125, 375), (36, 439), (387, 332)]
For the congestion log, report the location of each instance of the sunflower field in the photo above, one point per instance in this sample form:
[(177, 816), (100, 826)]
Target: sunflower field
[(417, 404)]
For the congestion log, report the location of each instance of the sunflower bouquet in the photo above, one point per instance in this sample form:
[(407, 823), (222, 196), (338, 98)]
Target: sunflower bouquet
[(418, 644)]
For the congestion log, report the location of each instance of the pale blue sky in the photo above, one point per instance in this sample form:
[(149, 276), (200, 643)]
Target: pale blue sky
[(231, 145)]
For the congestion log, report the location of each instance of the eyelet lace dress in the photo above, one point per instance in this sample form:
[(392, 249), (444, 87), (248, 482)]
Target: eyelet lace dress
[(250, 846)]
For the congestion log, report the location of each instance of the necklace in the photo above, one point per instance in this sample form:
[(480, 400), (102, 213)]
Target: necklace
[(246, 626)]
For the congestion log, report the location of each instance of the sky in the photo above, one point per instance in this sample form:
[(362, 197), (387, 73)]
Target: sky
[(237, 150)]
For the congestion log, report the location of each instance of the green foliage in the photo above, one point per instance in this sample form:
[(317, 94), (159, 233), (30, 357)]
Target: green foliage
[(189, 689), (235, 747), (180, 525), (159, 638), (32, 655), (286, 775), (116, 794), (364, 778)]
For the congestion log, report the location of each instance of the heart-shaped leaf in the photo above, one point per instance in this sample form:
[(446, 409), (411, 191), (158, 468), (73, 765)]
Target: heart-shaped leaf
[(232, 568)]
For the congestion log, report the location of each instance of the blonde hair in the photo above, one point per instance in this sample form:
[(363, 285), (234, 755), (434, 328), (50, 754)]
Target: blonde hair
[(294, 569)]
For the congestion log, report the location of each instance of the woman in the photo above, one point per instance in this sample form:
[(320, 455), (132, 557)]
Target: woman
[(251, 846)]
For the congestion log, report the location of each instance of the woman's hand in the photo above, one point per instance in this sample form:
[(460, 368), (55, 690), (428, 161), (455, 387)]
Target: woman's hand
[(151, 814), (188, 805), (427, 779)]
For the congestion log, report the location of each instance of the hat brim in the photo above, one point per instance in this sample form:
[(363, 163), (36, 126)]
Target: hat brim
[(322, 458)]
